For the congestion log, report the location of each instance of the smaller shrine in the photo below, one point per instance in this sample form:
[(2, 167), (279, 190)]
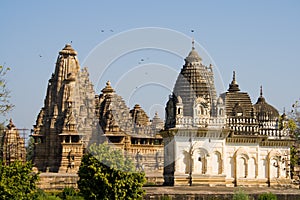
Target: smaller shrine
[(12, 145)]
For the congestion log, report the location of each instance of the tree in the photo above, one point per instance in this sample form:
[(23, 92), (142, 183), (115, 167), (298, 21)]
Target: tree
[(5, 104), (17, 181), (104, 173), (30, 149)]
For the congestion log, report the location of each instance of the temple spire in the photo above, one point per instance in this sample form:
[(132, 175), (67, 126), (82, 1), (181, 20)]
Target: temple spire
[(233, 78), (261, 99), (193, 43), (233, 87)]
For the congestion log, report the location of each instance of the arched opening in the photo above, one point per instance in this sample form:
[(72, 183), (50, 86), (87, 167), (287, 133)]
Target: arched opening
[(216, 163), (179, 111), (201, 161), (241, 167), (274, 168), (221, 111), (251, 168)]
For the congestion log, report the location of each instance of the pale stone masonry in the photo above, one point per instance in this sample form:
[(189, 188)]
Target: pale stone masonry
[(222, 141)]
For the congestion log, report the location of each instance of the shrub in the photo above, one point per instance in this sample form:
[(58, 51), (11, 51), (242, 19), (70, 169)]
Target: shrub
[(240, 195), (267, 196)]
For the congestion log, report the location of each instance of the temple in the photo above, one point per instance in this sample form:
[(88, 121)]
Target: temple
[(12, 145), (205, 139), (73, 118), (222, 141)]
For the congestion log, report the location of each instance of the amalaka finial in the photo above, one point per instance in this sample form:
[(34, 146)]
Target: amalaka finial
[(108, 88)]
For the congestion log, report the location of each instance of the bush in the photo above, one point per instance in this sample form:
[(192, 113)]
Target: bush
[(17, 181), (240, 195), (267, 196), (106, 174)]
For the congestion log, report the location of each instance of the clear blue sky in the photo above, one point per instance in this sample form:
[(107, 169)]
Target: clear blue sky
[(258, 39)]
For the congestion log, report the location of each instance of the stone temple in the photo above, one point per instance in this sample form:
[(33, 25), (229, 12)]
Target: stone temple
[(204, 140), (225, 140), (12, 145), (73, 117)]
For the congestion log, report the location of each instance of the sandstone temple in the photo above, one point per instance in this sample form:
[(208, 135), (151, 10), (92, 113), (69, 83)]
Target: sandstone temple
[(12, 146), (205, 139), (73, 118)]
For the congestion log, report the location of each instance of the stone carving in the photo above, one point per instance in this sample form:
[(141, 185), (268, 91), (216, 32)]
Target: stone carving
[(12, 145)]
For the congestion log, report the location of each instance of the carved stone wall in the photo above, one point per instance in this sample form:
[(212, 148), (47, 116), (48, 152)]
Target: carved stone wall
[(12, 145), (68, 112)]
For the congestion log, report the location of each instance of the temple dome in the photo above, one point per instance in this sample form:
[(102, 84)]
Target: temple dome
[(265, 111), (195, 80), (193, 56)]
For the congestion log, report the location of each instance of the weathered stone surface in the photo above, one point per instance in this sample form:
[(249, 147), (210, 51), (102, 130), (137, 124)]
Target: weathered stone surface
[(131, 131), (12, 145), (65, 123), (73, 117)]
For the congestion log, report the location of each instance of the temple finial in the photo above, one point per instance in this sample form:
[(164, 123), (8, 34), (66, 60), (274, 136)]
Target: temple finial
[(193, 43), (261, 91), (233, 77), (233, 87)]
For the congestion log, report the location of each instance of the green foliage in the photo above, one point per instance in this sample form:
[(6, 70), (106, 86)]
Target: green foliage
[(41, 195), (66, 194), (294, 158), (240, 195), (292, 126), (30, 149), (17, 181), (166, 197), (105, 174), (5, 105), (69, 193), (111, 158), (267, 196)]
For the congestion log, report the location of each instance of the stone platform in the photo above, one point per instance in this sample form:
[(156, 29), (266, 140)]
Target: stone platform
[(57, 181), (208, 193)]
